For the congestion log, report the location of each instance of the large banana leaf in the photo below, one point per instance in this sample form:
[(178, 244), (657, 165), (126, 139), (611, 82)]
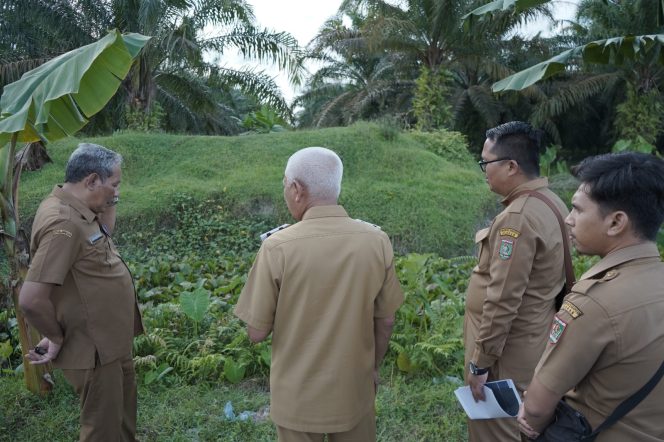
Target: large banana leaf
[(504, 5), (610, 51), (56, 99)]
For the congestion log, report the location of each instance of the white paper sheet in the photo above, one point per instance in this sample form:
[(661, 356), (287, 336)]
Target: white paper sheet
[(491, 408)]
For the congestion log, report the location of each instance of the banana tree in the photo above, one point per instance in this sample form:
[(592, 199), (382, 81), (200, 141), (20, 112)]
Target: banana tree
[(614, 51), (51, 102)]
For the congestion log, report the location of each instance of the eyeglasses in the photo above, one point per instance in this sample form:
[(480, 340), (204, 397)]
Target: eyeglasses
[(483, 163)]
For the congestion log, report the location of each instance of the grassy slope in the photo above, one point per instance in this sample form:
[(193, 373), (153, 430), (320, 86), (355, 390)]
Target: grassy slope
[(422, 201)]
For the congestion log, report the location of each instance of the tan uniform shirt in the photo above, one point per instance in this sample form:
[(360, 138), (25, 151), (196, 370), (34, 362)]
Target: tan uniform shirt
[(510, 297), (93, 296), (318, 285), (607, 341)]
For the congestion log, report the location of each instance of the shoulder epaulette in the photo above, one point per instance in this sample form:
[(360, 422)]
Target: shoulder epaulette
[(267, 234), (366, 222)]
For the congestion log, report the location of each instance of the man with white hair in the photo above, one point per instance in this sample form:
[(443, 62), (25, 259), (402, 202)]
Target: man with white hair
[(326, 289)]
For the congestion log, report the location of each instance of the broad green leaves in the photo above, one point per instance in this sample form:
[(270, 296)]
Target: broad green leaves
[(504, 5), (56, 99), (195, 304), (233, 371), (613, 51)]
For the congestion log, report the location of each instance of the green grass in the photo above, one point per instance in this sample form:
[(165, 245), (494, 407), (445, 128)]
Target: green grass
[(408, 409), (424, 202)]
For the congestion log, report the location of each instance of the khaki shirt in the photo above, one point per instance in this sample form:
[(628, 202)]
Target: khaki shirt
[(93, 293), (607, 341), (510, 297), (318, 285)]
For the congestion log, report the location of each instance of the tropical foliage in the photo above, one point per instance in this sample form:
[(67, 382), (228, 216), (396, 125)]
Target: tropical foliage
[(573, 96), (437, 71), (182, 68), (53, 101)]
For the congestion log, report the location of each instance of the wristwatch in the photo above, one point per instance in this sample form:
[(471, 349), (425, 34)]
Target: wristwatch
[(474, 369)]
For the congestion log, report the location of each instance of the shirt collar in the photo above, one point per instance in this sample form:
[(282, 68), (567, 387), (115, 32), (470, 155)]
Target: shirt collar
[(536, 184), (324, 212), (74, 202), (621, 256)]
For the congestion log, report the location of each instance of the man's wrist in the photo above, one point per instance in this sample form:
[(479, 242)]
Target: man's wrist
[(475, 370)]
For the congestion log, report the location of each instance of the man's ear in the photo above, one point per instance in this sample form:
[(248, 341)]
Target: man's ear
[(619, 222), (513, 167), (299, 190), (91, 181)]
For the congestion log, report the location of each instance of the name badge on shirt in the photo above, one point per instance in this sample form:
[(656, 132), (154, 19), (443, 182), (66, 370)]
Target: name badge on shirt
[(95, 237)]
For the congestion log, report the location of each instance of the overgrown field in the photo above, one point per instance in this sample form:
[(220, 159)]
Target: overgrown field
[(425, 190), (191, 212), (196, 358)]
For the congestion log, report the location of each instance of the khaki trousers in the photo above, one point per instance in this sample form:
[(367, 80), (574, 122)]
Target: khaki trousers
[(108, 401), (493, 430), (364, 431)]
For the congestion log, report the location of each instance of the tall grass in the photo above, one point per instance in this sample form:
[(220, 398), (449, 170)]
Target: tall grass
[(424, 202)]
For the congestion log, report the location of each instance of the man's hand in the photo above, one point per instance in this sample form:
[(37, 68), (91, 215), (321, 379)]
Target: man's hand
[(50, 351), (376, 379), (524, 426), (476, 383)]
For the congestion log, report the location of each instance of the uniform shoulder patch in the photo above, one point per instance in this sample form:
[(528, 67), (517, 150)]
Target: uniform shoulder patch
[(64, 232), (608, 276), (506, 248), (557, 329), (510, 232), (371, 224), (570, 308), (269, 233)]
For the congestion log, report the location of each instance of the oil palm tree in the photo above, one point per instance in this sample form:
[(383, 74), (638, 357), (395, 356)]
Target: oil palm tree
[(354, 83), (175, 69)]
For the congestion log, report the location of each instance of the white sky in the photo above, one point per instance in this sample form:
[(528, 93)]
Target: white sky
[(304, 18)]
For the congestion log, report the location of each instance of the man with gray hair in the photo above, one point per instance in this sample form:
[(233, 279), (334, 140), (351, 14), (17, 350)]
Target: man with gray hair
[(80, 295), (326, 289)]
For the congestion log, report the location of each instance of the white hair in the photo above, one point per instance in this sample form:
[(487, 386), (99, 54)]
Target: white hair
[(318, 169)]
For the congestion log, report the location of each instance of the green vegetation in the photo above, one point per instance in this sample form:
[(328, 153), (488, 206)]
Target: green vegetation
[(178, 69), (196, 356), (424, 202), (407, 410)]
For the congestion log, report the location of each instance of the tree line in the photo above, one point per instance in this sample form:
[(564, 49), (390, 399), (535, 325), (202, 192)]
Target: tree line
[(419, 64)]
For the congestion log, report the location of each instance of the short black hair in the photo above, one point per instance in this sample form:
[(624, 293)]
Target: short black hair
[(520, 142), (629, 181)]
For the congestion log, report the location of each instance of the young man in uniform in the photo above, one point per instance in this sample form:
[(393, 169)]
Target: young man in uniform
[(326, 289), (511, 294), (80, 295), (607, 340)]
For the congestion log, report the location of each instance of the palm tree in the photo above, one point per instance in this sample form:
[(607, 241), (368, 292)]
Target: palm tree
[(428, 36), (354, 83), (630, 67), (174, 70)]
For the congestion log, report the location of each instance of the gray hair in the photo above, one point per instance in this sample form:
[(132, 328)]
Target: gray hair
[(91, 158), (318, 169)]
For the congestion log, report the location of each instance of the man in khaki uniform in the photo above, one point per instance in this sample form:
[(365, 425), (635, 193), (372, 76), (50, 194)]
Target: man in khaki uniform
[(79, 294), (607, 340), (510, 297), (326, 289)]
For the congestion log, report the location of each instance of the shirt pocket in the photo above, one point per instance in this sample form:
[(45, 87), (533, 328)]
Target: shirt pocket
[(483, 252)]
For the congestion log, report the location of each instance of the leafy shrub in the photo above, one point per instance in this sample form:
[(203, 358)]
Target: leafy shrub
[(429, 325), (452, 146), (140, 120), (431, 102)]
